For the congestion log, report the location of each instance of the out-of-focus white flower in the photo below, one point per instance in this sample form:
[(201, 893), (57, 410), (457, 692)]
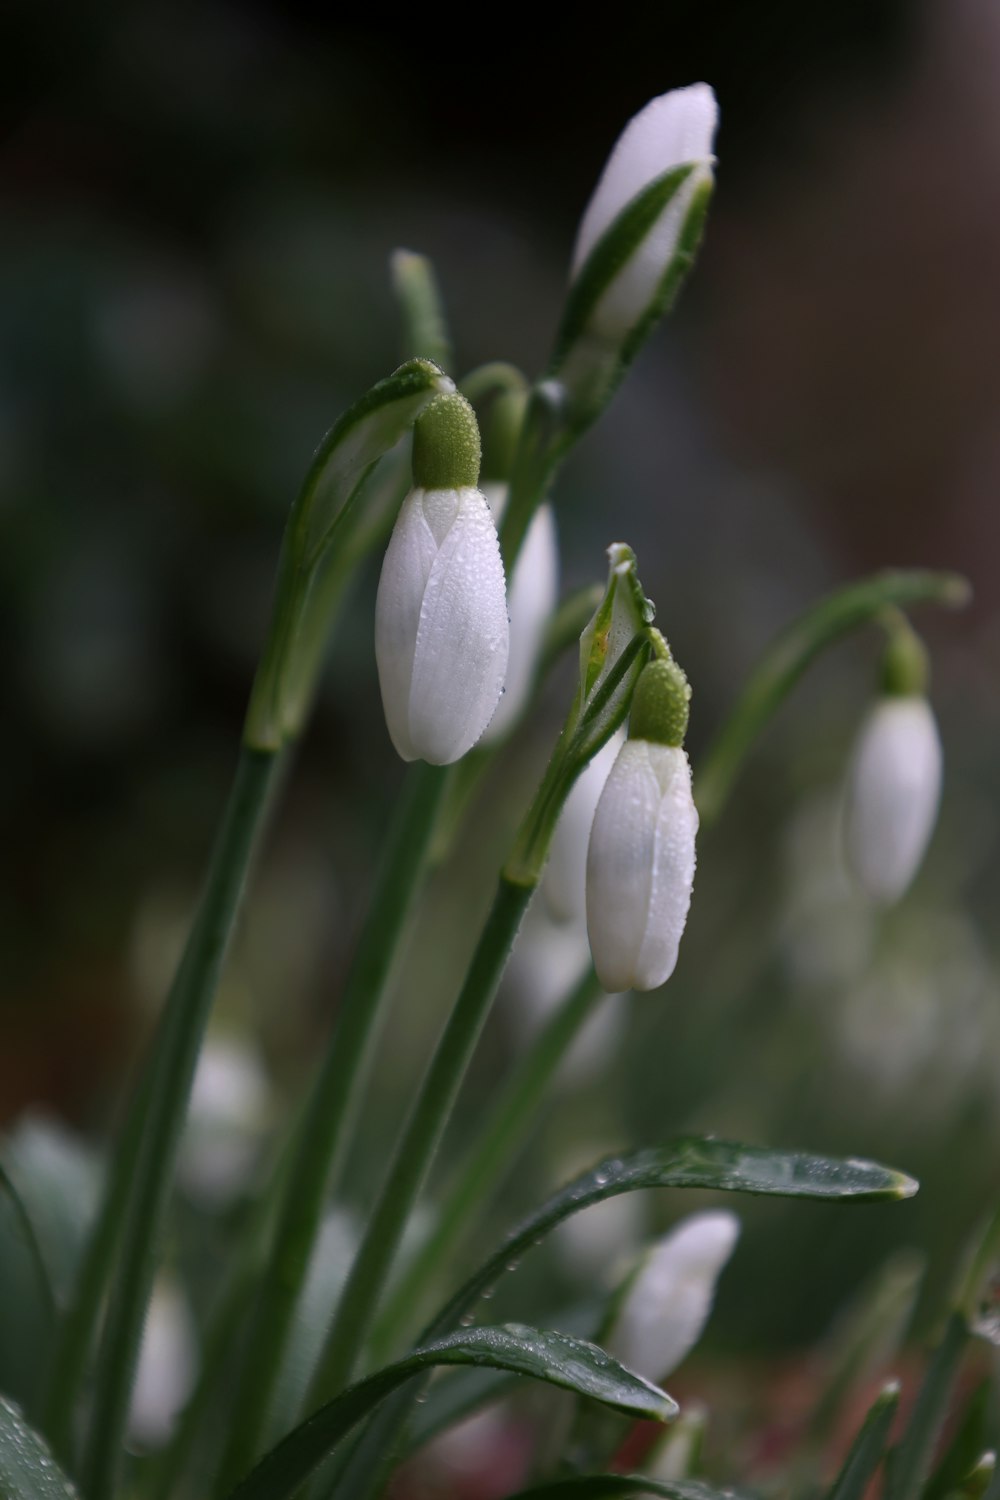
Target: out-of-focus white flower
[(640, 866), (671, 131), (550, 959), (534, 589), (894, 786), (564, 884), (441, 629), (598, 1246), (669, 1298), (165, 1373), (227, 1115), (674, 1456)]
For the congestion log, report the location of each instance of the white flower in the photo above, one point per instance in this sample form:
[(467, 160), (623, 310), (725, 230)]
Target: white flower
[(640, 866), (534, 588), (167, 1364), (441, 631), (670, 1296), (226, 1119), (894, 785), (565, 881), (671, 131)]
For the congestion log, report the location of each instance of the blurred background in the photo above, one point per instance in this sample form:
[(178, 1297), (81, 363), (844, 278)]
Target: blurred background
[(197, 204)]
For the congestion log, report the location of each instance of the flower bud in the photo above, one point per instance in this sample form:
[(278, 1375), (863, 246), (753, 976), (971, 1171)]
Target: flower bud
[(441, 630), (565, 881), (534, 588), (641, 858), (636, 240), (667, 1302), (894, 785), (168, 1360)]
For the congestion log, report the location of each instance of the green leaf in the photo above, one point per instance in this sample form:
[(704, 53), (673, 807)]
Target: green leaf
[(868, 1448), (911, 1459), (29, 1237), (791, 653), (965, 1449), (419, 298), (607, 1486), (552, 1357), (687, 1162), (27, 1469)]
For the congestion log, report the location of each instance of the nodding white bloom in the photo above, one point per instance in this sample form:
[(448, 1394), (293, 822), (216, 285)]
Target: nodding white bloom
[(168, 1360), (441, 629), (226, 1120), (894, 786), (565, 881), (641, 858), (534, 589), (669, 1297), (672, 131)]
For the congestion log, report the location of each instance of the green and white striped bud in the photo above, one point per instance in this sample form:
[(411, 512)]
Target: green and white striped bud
[(441, 629), (641, 858)]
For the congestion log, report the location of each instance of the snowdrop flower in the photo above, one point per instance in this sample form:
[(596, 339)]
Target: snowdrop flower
[(894, 785), (565, 881), (672, 131), (166, 1369), (441, 630), (230, 1099), (534, 589), (641, 858), (667, 1302)]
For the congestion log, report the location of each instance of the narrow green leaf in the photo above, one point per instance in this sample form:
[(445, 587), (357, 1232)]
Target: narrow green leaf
[(965, 1449), (790, 655), (607, 1486), (868, 1448), (31, 1242), (27, 1469), (692, 1162), (911, 1458), (419, 297), (552, 1357)]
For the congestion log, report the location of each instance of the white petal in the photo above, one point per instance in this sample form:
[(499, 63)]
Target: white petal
[(640, 866), (167, 1365), (894, 786), (565, 880), (670, 1297), (441, 631), (671, 130), (534, 588)]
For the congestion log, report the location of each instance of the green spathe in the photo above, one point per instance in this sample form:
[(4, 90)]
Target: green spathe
[(446, 448)]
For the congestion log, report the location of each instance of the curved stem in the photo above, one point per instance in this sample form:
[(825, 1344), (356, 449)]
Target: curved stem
[(791, 653), (491, 1153), (320, 1139), (418, 1144), (185, 1017)]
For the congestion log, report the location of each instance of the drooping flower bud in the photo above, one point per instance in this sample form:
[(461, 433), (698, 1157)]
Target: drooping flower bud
[(669, 1297), (565, 881), (894, 781), (894, 785), (441, 630), (641, 858), (534, 589)]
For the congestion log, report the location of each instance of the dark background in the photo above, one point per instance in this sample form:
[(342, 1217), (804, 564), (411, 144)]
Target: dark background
[(197, 203)]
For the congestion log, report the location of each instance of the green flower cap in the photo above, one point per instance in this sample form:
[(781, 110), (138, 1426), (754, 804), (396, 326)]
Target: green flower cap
[(446, 448), (660, 704)]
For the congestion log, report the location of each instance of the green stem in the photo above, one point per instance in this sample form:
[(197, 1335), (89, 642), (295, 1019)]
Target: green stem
[(791, 653), (185, 1017), (418, 1144), (419, 297), (492, 1153), (76, 1330), (317, 1152)]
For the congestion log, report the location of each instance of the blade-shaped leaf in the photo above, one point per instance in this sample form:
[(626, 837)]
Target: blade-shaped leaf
[(27, 1469), (910, 1460), (687, 1162), (868, 1448), (965, 1449), (607, 1486), (553, 1357)]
